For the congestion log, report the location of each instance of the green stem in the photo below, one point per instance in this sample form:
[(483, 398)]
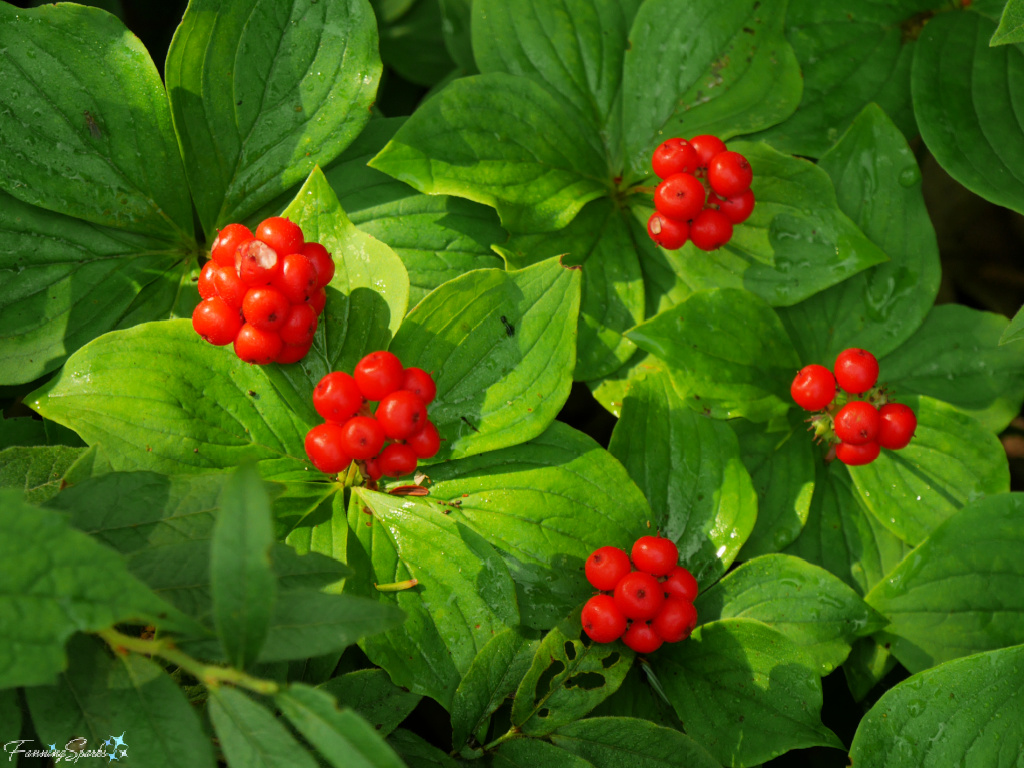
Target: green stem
[(510, 733)]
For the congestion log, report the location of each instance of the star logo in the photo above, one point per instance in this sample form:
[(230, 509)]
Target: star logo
[(115, 742)]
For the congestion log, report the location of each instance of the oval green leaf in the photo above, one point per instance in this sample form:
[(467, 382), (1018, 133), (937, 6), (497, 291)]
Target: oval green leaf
[(629, 742)]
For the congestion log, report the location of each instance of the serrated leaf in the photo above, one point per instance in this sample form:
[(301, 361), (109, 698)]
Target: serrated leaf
[(251, 735), (961, 591), (1011, 25), (36, 471), (629, 742), (371, 693)]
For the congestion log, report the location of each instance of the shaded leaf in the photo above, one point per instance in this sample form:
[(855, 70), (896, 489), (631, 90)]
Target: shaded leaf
[(249, 734), (36, 471), (371, 693)]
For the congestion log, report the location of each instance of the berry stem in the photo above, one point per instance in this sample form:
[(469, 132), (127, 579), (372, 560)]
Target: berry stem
[(509, 734)]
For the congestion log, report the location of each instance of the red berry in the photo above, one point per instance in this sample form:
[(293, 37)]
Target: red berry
[(813, 388), (362, 437), (668, 233), (707, 147), (253, 345), (372, 467), (710, 230), (300, 325), (227, 242), (216, 321), (296, 278), (856, 455), (292, 353), (230, 286), (397, 460), (675, 621), (674, 156), (323, 446), (602, 620), (402, 414), (422, 383), (206, 285), (336, 397), (680, 583), (317, 300), (639, 595), (737, 208), (257, 263), (680, 197), (281, 234), (266, 308), (322, 262), (896, 425), (606, 566), (642, 638), (379, 374), (655, 555), (857, 423), (425, 443), (856, 370), (729, 174)]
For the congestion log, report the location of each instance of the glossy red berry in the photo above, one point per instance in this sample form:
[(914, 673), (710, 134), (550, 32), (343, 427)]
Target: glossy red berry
[(229, 286), (680, 583), (401, 414), (856, 370), (379, 374), (397, 460), (738, 208), (216, 321), (642, 638), (710, 230), (675, 621), (602, 620), (297, 278), (266, 308), (300, 325), (639, 595), (256, 346), (896, 425), (668, 233), (206, 285), (227, 242), (323, 447), (337, 397), (857, 423), (680, 197), (372, 467), (292, 353), (422, 383), (606, 566), (655, 555), (729, 174), (425, 443), (707, 147), (281, 234), (813, 388), (674, 156), (362, 437), (322, 262), (257, 263), (318, 299), (856, 455)]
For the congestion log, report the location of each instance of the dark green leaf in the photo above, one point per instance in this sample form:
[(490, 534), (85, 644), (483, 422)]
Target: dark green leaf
[(476, 139), (962, 590), (495, 387), (1011, 25), (626, 742), (689, 468), (10, 715), (866, 666), (744, 691), (455, 25), (262, 93), (251, 735), (419, 753), (727, 350), (371, 693), (528, 753), (21, 431), (976, 136), (413, 45), (967, 712), (101, 698), (86, 128), (951, 461), (639, 696), (36, 471)]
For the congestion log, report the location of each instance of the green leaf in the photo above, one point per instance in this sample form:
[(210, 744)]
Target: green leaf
[(455, 26), (1015, 330), (866, 666), (951, 461), (806, 603), (526, 753), (976, 138), (241, 579), (66, 582), (956, 357), (100, 696), (476, 139), (340, 735), (492, 677), (727, 348), (545, 505), (721, 68), (628, 742), (965, 713), (262, 93), (878, 185), (639, 696), (10, 715), (599, 240), (36, 471), (371, 693), (568, 678), (23, 431), (1011, 25), (962, 590), (86, 126), (464, 592), (251, 735), (689, 468), (64, 281), (413, 46), (419, 753), (744, 691), (495, 387)]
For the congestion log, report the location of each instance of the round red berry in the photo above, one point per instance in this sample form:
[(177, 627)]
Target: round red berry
[(362, 437), (707, 147), (206, 285), (813, 388), (668, 233), (317, 300), (606, 566), (292, 353), (297, 278), (372, 467), (257, 263), (642, 638), (675, 621), (857, 423), (281, 234), (227, 242), (266, 308), (680, 197), (856, 455), (674, 156), (710, 230), (680, 583), (253, 345), (425, 443), (322, 262), (216, 321), (737, 208), (397, 460), (602, 620), (229, 286), (336, 397), (639, 595), (896, 425), (300, 325), (729, 174), (655, 555), (422, 383), (856, 370), (323, 446), (379, 374), (402, 414)]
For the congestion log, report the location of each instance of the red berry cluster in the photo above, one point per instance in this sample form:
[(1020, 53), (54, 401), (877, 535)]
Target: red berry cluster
[(649, 605), (705, 190), (263, 291), (860, 420), (387, 440)]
